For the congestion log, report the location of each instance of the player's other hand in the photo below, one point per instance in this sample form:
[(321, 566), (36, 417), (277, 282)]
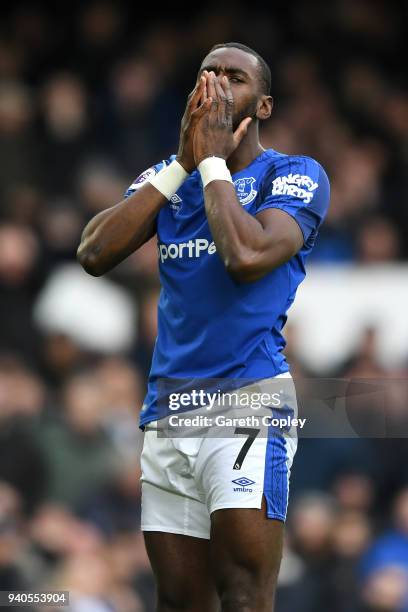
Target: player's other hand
[(197, 105), (214, 134)]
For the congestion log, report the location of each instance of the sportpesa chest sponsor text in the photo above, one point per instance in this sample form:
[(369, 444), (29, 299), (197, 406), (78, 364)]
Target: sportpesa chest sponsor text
[(190, 250)]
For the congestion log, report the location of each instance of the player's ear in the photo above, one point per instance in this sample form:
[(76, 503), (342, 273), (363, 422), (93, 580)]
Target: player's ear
[(265, 106)]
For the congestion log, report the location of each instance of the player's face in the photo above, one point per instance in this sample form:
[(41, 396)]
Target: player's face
[(242, 70)]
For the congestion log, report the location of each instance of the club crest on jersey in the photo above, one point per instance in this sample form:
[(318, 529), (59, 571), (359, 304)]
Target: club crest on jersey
[(245, 190)]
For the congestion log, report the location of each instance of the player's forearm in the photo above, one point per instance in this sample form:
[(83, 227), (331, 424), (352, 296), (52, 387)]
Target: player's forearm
[(114, 234), (239, 237)]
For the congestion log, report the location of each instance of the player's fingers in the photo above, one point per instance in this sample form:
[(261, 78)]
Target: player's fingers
[(192, 92), (222, 99), (196, 94), (201, 110), (211, 92), (203, 87), (241, 130), (227, 88), (230, 98)]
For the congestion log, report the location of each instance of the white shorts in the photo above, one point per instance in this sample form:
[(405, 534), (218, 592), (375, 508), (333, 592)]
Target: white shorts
[(184, 480)]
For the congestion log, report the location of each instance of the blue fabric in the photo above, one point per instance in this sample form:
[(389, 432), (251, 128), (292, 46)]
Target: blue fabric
[(210, 326), (276, 479)]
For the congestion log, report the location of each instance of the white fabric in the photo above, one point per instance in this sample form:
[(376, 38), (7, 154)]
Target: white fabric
[(169, 179), (214, 169), (97, 313), (184, 480)]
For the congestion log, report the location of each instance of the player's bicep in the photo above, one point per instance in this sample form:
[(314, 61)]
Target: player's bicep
[(283, 236)]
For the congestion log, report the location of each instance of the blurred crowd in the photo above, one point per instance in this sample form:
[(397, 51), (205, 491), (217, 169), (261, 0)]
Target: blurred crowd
[(91, 94)]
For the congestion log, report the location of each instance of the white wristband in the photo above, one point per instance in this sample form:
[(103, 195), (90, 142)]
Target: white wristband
[(169, 179), (214, 169)]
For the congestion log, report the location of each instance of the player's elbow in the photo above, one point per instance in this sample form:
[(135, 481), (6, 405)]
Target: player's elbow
[(249, 266), (89, 261), (243, 268)]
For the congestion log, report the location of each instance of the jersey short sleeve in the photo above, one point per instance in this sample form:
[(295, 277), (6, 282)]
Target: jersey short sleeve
[(300, 187), (146, 175)]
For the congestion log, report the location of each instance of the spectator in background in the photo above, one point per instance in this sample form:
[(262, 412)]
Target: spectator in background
[(20, 278), (384, 568), (79, 452), (378, 241), (11, 540), (123, 390), (65, 132), (135, 87), (115, 508), (22, 464), (55, 533), (19, 160), (147, 327), (310, 526), (98, 182), (94, 586)]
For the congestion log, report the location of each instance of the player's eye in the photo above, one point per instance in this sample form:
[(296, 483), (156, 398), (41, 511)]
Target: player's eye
[(236, 80)]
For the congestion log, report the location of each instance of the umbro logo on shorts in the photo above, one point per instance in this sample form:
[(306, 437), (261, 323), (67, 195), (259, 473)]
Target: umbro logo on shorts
[(243, 483)]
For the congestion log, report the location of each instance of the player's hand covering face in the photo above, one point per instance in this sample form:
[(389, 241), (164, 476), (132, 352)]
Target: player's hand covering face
[(214, 133), (197, 105)]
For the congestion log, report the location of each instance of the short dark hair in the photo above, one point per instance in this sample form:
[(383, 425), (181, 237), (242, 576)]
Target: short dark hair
[(264, 70)]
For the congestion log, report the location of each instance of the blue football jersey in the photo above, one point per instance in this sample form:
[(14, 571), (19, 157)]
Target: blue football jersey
[(209, 325)]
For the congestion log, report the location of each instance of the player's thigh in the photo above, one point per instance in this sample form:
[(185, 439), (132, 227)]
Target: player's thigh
[(182, 568), (246, 495), (176, 526), (246, 552)]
